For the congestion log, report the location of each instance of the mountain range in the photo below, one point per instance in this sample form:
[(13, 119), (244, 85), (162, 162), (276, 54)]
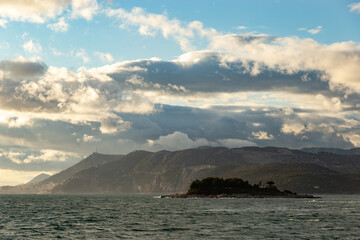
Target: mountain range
[(312, 170)]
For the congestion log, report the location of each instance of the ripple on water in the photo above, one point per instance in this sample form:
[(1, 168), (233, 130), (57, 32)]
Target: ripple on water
[(146, 217)]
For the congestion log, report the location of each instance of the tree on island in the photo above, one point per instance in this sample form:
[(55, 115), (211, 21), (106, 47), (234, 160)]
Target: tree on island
[(235, 188), (216, 186)]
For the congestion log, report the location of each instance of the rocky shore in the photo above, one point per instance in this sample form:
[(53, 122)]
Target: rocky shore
[(184, 195)]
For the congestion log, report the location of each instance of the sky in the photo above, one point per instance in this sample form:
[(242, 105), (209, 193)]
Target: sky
[(79, 76)]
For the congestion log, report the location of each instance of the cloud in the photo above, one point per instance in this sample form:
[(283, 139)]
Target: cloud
[(354, 7), (105, 57), (33, 11), (149, 24), (21, 68), (60, 26), (37, 11), (83, 55), (312, 31), (21, 156), (84, 9), (241, 27), (262, 135), (3, 23), (32, 47), (179, 140), (256, 52), (315, 30), (292, 54), (88, 138)]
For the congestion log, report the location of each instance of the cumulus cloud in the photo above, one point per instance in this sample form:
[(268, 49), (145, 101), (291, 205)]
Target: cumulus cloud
[(105, 57), (21, 68), (150, 24), (256, 52), (179, 140), (88, 138), (84, 9), (241, 27), (262, 135), (37, 11), (33, 11), (315, 30), (32, 47), (83, 55), (355, 7), (24, 156), (60, 26), (3, 23), (312, 31)]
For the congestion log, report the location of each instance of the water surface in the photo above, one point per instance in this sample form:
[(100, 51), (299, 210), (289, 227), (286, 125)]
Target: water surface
[(146, 217)]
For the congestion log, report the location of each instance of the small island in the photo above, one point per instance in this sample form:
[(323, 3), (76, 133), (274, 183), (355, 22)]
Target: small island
[(234, 188)]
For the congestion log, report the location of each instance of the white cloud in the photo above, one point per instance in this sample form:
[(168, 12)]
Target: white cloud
[(105, 57), (179, 141), (83, 55), (49, 155), (60, 26), (355, 7), (312, 31), (32, 47), (315, 30), (45, 155), (338, 61), (293, 128), (55, 52), (263, 135), (149, 24), (89, 138), (39, 11), (35, 11), (3, 23), (241, 27), (84, 9)]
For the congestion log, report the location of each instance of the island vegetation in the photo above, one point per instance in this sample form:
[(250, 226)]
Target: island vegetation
[(212, 187)]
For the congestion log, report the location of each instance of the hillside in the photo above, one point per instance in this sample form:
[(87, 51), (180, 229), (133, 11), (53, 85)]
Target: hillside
[(170, 172), (355, 151), (49, 183), (39, 178)]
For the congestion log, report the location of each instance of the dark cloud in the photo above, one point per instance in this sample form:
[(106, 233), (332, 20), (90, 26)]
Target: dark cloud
[(22, 68), (210, 75)]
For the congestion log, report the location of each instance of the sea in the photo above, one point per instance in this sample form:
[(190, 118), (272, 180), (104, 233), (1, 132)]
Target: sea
[(150, 217)]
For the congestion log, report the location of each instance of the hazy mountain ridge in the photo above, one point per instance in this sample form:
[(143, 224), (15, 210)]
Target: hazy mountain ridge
[(39, 178), (340, 151), (48, 184), (169, 172)]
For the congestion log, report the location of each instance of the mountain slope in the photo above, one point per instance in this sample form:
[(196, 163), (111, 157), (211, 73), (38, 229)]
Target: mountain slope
[(48, 184), (167, 172), (39, 178), (355, 151)]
